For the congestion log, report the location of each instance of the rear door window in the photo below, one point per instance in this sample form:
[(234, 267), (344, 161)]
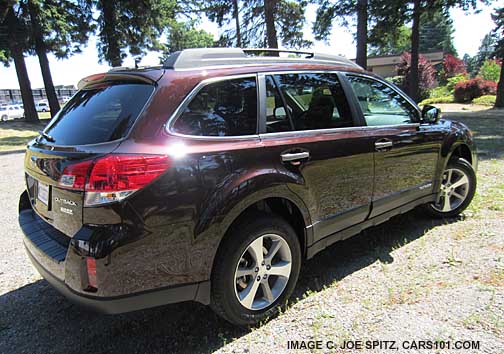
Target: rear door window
[(99, 114), (224, 108)]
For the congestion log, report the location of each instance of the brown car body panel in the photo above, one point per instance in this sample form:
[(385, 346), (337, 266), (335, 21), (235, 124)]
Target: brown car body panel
[(167, 234)]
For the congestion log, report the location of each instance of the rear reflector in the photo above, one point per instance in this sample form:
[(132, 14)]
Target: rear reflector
[(91, 273), (113, 177)]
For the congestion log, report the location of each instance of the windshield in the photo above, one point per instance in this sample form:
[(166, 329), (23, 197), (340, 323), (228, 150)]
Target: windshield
[(99, 114)]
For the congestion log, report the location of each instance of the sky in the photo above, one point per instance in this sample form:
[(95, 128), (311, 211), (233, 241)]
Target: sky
[(470, 28)]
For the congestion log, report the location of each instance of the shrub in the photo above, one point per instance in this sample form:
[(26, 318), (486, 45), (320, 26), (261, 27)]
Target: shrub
[(426, 74), (396, 80), (453, 66), (466, 91), (490, 70), (487, 100), (440, 91), (442, 99), (452, 81)]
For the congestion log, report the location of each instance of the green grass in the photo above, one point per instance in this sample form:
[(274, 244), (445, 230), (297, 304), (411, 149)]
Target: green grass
[(488, 100), (15, 134), (441, 99), (44, 115)]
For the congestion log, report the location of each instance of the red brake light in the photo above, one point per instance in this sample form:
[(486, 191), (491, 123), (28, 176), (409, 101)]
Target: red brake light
[(115, 173), (113, 177), (74, 176)]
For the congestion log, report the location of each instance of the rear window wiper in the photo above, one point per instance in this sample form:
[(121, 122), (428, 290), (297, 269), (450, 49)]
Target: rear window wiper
[(47, 136)]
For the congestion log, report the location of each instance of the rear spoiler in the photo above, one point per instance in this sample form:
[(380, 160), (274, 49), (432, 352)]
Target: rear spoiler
[(117, 76)]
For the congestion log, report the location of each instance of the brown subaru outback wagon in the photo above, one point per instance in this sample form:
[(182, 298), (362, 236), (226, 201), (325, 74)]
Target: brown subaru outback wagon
[(211, 178)]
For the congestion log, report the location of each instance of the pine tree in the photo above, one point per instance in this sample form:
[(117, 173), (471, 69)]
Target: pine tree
[(393, 42), (12, 48), (131, 27), (184, 35), (332, 10), (59, 27), (436, 33), (224, 13), (260, 23)]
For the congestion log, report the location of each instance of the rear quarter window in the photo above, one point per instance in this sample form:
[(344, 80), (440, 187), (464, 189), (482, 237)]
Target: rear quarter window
[(224, 108), (99, 114)]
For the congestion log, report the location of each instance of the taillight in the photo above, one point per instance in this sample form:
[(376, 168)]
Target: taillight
[(113, 177), (74, 176)]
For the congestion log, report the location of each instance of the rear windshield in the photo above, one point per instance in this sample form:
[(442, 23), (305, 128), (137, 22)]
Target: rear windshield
[(99, 114)]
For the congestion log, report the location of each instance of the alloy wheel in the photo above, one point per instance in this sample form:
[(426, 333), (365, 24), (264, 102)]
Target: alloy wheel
[(263, 272), (454, 190)]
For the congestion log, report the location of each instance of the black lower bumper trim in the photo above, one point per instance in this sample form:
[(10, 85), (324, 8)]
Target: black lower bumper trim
[(128, 303)]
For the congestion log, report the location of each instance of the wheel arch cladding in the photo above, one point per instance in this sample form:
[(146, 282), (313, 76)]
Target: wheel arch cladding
[(461, 151), (276, 201)]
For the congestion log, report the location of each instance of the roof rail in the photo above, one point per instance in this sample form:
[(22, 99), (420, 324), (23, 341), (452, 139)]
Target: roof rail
[(276, 50), (209, 57)]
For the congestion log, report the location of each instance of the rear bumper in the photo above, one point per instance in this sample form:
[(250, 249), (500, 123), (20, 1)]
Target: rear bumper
[(127, 303), (57, 259)]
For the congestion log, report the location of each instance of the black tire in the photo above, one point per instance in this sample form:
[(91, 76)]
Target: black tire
[(224, 300), (4, 118), (464, 166)]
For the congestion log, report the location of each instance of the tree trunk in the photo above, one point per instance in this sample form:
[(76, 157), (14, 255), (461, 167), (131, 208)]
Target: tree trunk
[(236, 15), (109, 36), (362, 18), (48, 82), (269, 17), (415, 44), (40, 49), (19, 62), (499, 102)]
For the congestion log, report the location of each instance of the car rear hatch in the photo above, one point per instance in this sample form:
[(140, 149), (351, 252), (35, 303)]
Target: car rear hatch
[(91, 125)]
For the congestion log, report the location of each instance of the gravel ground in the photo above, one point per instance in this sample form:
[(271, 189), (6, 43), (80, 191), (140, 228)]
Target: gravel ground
[(412, 278)]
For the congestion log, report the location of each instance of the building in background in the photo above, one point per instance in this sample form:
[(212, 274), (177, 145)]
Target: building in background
[(39, 94), (386, 65)]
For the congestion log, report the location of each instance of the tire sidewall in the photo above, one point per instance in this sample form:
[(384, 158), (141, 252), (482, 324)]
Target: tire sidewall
[(236, 312)]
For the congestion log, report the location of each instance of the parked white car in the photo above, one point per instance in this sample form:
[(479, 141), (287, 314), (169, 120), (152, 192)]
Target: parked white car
[(42, 107), (11, 112)]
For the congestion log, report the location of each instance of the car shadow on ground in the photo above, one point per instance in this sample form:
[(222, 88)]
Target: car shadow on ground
[(37, 319)]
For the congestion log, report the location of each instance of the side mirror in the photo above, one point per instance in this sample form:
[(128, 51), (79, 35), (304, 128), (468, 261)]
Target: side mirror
[(431, 114), (279, 113)]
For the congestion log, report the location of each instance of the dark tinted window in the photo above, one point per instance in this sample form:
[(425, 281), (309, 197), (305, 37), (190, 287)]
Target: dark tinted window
[(224, 108), (381, 104), (100, 114), (315, 101), (277, 119)]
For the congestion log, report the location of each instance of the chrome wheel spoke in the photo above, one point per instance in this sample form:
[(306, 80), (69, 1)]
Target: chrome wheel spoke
[(281, 269), (256, 250), (461, 182), (273, 251), (458, 196), (248, 295), (446, 203), (268, 295), (449, 176)]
